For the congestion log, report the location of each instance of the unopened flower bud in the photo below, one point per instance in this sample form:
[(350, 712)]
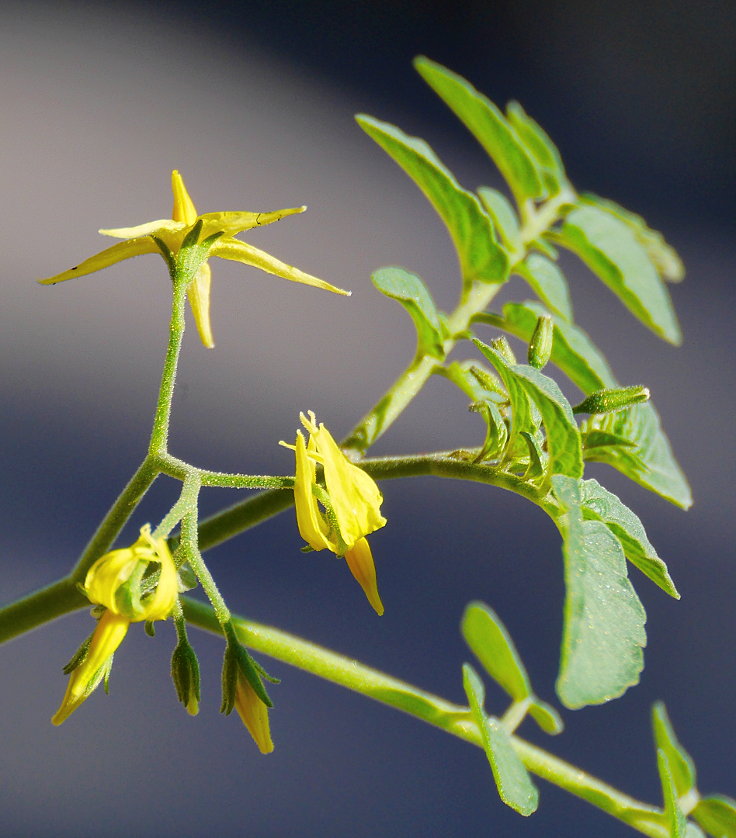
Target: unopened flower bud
[(185, 674), (609, 401), (503, 347), (540, 346)]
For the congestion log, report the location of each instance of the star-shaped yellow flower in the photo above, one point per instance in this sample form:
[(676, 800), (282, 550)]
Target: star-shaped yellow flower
[(172, 232), (351, 501)]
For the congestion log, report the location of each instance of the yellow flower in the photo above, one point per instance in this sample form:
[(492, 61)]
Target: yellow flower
[(172, 233), (253, 713), (115, 581), (351, 501)]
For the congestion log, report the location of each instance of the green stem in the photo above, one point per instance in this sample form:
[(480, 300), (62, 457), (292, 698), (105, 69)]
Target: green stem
[(194, 557), (162, 417), (452, 718), (40, 607), (115, 519)]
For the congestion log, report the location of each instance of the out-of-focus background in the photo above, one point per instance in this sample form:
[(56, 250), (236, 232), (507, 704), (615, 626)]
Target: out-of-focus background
[(254, 103)]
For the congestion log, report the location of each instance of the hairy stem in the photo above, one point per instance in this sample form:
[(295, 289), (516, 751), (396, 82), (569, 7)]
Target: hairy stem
[(452, 718)]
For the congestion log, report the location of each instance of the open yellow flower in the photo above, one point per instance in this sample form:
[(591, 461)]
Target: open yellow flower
[(172, 232), (351, 501), (117, 581)]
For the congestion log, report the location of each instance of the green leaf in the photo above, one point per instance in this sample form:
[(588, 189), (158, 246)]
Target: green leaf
[(514, 784), (601, 505), (548, 283), (649, 461), (663, 256), (524, 384), (603, 632), (489, 641), (593, 439), (481, 257), (540, 147), (504, 216), (546, 717), (409, 290), (572, 350), (682, 768), (611, 250), (488, 125), (676, 820), (717, 815)]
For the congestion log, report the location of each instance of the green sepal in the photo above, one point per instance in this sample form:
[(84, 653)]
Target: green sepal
[(603, 619), (541, 149), (488, 125), (717, 815), (78, 657), (505, 219), (611, 250), (681, 765), (237, 661), (598, 504), (548, 283), (169, 257), (481, 257), (149, 628), (662, 255), (676, 820), (515, 786), (410, 291)]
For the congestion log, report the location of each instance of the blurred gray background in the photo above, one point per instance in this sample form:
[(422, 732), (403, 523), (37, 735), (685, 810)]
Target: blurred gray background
[(254, 103)]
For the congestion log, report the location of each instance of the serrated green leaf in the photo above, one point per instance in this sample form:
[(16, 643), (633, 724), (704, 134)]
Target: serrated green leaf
[(481, 257), (548, 283), (527, 386), (515, 787), (488, 125), (594, 439), (409, 290), (649, 461), (603, 631), (682, 768), (540, 147), (572, 350), (717, 815), (504, 216), (537, 459), (610, 249), (663, 256), (489, 641), (601, 505), (676, 820), (546, 717)]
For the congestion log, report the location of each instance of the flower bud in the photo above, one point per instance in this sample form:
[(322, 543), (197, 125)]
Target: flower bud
[(503, 347), (609, 401), (185, 674), (540, 346)]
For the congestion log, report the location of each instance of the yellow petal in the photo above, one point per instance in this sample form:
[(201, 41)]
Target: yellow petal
[(183, 205), (116, 253), (309, 519), (254, 714), (159, 605), (355, 497), (199, 300), (233, 222), (239, 251), (109, 634), (150, 228), (360, 562)]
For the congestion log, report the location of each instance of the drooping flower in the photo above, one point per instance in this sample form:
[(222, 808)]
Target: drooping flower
[(172, 232), (118, 581), (350, 502)]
